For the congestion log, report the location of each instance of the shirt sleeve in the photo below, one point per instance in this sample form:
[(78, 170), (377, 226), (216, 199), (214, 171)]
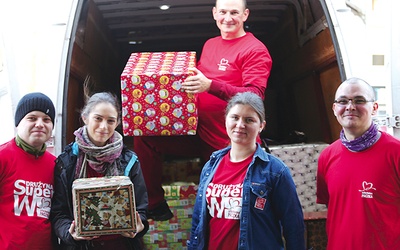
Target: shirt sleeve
[(322, 188), (255, 73)]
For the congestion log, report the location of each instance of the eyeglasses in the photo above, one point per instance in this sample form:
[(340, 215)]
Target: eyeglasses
[(355, 101)]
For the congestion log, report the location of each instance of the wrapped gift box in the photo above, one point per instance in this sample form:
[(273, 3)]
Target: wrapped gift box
[(104, 205), (180, 190), (302, 159), (153, 101)]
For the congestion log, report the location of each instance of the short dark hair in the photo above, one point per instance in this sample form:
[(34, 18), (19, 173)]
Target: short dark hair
[(248, 98), (354, 80)]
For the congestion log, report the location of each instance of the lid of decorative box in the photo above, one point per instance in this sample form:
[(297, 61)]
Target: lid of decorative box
[(104, 205)]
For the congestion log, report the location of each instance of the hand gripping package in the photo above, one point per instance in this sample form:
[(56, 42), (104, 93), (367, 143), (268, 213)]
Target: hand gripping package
[(104, 205), (153, 101)]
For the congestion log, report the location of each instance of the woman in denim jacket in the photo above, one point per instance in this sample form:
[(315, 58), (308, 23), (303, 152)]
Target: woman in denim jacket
[(246, 198)]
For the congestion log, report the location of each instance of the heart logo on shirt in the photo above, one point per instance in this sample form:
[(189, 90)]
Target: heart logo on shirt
[(367, 186)]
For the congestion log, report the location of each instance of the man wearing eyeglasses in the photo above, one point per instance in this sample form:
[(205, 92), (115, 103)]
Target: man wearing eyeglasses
[(359, 175)]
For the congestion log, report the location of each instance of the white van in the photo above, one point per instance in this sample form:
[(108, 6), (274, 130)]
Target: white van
[(51, 46)]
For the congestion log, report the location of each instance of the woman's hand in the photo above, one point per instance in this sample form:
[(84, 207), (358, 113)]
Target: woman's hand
[(73, 233), (139, 227)]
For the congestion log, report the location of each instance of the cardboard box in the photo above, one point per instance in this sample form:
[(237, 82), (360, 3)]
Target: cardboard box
[(153, 101), (187, 170), (104, 205)]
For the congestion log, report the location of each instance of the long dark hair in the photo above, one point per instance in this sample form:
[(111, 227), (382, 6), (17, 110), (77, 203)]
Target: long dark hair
[(101, 97)]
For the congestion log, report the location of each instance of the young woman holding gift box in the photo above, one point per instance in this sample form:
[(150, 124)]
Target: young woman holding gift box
[(246, 198), (98, 151)]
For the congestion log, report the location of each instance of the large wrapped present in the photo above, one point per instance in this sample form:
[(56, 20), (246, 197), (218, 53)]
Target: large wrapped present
[(104, 205), (153, 101)]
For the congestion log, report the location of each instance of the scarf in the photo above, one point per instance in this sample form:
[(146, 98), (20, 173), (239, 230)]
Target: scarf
[(364, 141), (28, 148), (100, 159)]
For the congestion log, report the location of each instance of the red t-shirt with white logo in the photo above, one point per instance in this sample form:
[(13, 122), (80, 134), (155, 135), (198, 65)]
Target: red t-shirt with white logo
[(26, 189), (224, 203)]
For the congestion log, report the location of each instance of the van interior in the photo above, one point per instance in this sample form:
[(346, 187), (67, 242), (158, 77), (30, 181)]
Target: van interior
[(305, 73)]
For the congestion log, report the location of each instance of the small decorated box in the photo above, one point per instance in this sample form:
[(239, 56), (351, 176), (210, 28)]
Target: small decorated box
[(104, 205), (180, 190), (153, 101)]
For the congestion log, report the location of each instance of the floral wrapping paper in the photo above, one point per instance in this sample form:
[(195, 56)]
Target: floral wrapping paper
[(153, 101), (302, 159), (104, 205)]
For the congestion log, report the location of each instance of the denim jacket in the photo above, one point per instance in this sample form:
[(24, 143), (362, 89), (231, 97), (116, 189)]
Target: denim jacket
[(269, 178)]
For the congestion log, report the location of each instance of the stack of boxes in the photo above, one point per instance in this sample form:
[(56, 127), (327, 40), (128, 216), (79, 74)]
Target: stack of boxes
[(302, 159), (173, 234)]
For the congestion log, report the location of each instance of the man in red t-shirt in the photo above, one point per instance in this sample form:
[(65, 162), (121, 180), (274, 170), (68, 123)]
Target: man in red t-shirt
[(358, 175), (233, 62), (26, 177)]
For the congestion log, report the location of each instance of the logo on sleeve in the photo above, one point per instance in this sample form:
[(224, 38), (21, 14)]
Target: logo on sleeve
[(367, 191)]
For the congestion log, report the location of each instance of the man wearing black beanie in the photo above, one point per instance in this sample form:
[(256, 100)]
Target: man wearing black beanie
[(26, 177)]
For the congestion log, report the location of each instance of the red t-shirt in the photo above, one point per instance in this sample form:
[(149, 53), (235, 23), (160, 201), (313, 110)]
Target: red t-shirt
[(26, 189), (237, 65), (362, 190), (224, 203)]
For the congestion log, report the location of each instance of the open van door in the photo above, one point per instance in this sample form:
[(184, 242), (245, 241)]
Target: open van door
[(366, 35), (34, 45)]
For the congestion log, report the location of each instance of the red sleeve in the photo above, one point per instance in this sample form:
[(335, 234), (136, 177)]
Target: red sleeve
[(255, 73), (322, 188)]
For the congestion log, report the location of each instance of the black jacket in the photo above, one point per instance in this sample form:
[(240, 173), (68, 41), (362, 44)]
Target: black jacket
[(62, 211)]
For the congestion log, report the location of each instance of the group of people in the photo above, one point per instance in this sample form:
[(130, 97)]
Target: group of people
[(246, 197)]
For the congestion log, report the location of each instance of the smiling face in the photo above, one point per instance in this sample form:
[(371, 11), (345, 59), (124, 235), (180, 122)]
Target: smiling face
[(355, 119), (35, 129), (230, 16), (101, 123), (243, 124)]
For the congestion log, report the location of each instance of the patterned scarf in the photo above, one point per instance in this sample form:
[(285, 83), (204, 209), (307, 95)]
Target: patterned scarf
[(363, 142), (100, 159), (28, 148)]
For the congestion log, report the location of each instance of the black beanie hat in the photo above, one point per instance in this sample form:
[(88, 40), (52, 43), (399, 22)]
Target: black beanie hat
[(34, 102)]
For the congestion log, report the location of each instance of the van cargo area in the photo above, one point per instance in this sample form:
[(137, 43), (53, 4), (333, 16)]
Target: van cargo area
[(306, 64)]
